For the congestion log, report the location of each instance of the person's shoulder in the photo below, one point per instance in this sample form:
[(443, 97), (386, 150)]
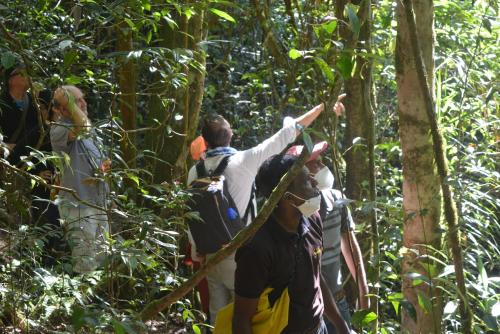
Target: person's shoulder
[(193, 167), (262, 241), (331, 195), (337, 193)]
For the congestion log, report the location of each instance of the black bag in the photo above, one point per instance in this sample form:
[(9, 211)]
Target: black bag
[(220, 220)]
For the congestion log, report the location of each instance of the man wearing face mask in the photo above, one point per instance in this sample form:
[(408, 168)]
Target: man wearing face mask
[(338, 235), (286, 253), (241, 169)]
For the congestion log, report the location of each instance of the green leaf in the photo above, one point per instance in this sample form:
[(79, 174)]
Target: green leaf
[(133, 178), (8, 59), (73, 80), (130, 23), (410, 309), (487, 25), (307, 141), (345, 66), (117, 327), (329, 27), (327, 71), (69, 58), (223, 15), (395, 299), (146, 5), (424, 302), (369, 318), (77, 318), (294, 54), (171, 23), (196, 329), (483, 276), (189, 13), (354, 24), (363, 318)]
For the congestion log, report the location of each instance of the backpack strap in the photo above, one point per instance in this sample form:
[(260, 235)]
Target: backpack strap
[(222, 166), (201, 171), (250, 210)]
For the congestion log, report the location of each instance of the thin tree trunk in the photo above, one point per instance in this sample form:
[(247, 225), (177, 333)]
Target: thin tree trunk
[(172, 146), (450, 209), (127, 80), (198, 29), (156, 306), (360, 160), (272, 44), (422, 197), (270, 40)]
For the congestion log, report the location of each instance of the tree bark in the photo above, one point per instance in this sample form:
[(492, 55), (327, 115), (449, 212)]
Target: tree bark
[(422, 198), (156, 306), (199, 29), (171, 140), (360, 159), (441, 163), (127, 80)]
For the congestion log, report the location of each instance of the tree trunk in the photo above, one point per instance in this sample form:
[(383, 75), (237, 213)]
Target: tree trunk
[(198, 30), (450, 209), (170, 140), (360, 160), (422, 197), (127, 80)]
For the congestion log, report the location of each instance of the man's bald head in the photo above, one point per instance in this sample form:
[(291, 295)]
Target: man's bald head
[(78, 95)]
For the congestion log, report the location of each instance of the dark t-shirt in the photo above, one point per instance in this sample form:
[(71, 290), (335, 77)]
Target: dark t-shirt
[(276, 258), (11, 118)]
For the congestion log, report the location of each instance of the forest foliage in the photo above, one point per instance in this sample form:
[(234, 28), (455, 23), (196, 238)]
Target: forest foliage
[(258, 61)]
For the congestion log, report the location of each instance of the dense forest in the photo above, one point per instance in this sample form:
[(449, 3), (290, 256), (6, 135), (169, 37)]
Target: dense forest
[(416, 153)]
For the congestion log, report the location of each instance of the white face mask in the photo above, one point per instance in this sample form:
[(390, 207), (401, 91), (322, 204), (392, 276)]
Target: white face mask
[(310, 206), (324, 178)]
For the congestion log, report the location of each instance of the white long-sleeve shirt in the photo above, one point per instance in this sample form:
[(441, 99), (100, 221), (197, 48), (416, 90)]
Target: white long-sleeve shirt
[(243, 166)]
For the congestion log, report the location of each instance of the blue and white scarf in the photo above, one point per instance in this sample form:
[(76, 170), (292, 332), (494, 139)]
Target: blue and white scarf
[(226, 150)]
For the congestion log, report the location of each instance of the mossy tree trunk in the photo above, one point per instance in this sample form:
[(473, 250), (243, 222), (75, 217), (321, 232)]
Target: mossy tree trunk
[(179, 120), (422, 198)]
